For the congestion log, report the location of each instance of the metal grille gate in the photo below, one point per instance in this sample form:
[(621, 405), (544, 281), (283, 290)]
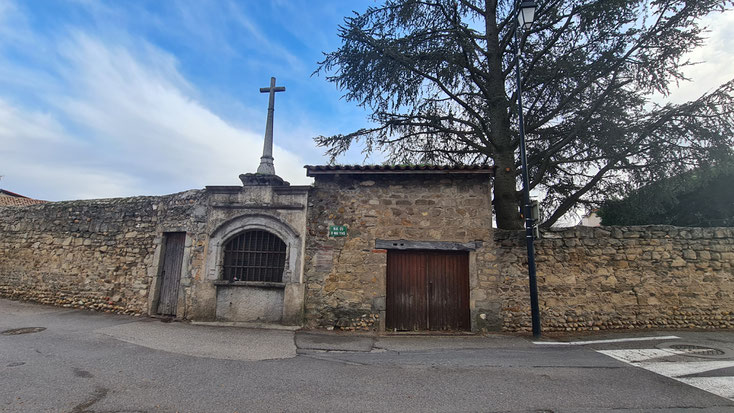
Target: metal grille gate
[(254, 256), (427, 290)]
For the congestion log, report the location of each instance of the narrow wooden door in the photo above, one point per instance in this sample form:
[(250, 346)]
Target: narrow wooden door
[(171, 273), (406, 291), (447, 279), (427, 290)]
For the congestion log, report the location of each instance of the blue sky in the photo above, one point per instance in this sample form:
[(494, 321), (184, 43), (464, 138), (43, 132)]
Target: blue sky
[(122, 98), (101, 99)]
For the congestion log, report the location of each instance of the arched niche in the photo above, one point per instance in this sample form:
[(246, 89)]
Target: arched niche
[(238, 225)]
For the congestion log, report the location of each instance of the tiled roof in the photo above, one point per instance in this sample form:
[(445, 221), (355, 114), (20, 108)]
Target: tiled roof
[(312, 170), (15, 201), (8, 198)]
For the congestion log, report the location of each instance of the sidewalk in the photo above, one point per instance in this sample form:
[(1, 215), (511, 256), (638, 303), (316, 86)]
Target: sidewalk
[(320, 340), (227, 342), (224, 343)]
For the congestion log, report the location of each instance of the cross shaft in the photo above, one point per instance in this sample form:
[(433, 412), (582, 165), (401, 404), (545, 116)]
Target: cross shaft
[(266, 161)]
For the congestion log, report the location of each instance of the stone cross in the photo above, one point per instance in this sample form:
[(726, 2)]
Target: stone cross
[(266, 161)]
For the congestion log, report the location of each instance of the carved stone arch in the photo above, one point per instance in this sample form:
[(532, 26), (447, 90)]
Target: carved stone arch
[(237, 225)]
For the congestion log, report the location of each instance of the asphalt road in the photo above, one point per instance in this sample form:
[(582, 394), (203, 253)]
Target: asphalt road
[(92, 362)]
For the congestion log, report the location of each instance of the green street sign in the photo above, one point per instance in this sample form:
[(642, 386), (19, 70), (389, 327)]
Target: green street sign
[(337, 230)]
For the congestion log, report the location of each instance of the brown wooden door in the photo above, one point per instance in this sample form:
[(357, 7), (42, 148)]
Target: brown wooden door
[(427, 290), (171, 273)]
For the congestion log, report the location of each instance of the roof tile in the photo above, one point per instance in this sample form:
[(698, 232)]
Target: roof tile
[(331, 169), (13, 201)]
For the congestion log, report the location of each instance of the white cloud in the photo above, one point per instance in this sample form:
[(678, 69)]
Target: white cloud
[(715, 60), (125, 122)]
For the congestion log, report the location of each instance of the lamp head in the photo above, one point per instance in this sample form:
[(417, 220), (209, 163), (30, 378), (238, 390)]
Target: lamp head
[(526, 15)]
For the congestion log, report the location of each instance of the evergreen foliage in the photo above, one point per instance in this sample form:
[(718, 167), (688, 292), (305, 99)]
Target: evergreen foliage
[(437, 77), (700, 198)]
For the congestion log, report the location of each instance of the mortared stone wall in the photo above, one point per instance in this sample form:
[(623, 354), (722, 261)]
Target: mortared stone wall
[(104, 255), (345, 276), (620, 278), (98, 254)]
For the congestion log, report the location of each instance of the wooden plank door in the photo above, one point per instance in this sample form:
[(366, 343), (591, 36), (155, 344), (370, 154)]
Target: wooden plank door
[(171, 273), (427, 290), (406, 291), (447, 279)]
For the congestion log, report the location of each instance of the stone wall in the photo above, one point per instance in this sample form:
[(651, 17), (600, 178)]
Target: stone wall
[(105, 254), (589, 278), (620, 277), (345, 276), (98, 254)]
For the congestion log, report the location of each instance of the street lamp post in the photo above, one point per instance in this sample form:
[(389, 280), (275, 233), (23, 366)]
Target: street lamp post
[(525, 16)]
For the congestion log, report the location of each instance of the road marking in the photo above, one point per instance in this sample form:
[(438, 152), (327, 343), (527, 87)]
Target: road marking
[(685, 368), (613, 340), (678, 370), (641, 354), (721, 386)]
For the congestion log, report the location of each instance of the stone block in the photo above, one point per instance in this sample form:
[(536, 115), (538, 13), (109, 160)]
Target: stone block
[(678, 262), (378, 304)]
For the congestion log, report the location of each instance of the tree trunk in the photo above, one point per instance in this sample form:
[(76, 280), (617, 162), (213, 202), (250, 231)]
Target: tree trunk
[(506, 204), (503, 154)]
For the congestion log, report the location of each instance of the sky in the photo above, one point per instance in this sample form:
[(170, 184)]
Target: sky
[(122, 98)]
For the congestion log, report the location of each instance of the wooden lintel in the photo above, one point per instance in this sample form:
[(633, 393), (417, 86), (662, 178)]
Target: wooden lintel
[(402, 244)]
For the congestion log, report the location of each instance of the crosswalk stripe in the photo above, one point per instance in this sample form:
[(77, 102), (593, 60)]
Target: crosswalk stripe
[(721, 386), (611, 340), (640, 354), (678, 370), (685, 368)]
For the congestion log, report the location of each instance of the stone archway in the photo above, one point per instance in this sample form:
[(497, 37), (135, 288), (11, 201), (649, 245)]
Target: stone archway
[(254, 301)]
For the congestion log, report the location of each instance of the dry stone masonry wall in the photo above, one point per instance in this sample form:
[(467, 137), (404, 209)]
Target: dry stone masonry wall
[(620, 278)]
